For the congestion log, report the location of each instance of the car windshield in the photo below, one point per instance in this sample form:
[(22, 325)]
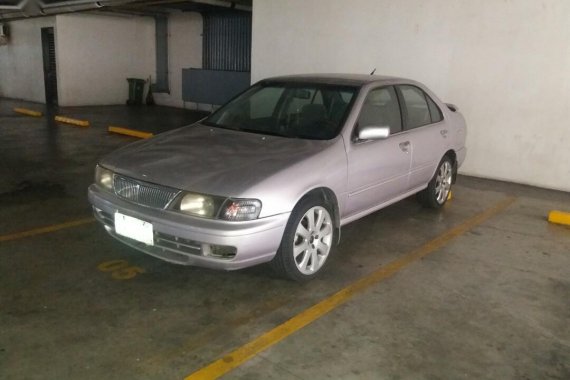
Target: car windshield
[(295, 110)]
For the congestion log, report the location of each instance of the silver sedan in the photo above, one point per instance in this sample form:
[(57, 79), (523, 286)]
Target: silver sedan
[(273, 175)]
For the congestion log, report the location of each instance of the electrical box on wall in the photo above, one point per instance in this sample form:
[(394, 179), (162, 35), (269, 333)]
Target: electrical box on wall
[(4, 35)]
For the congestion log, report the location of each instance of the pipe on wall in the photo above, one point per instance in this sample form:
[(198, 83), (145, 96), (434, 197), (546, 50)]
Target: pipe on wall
[(79, 3), (19, 6), (224, 4)]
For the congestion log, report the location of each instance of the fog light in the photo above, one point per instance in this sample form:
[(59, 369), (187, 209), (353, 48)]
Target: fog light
[(219, 251)]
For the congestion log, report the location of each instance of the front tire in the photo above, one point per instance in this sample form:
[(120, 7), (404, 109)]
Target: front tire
[(307, 241), (437, 192)]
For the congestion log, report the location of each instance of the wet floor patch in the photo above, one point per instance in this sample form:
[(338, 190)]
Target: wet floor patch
[(27, 191)]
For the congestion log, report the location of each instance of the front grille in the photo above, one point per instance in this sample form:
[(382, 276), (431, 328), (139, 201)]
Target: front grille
[(144, 193), (168, 247), (176, 243)]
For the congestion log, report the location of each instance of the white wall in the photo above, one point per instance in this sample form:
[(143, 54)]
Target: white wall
[(184, 51), (21, 61), (506, 64), (96, 53)]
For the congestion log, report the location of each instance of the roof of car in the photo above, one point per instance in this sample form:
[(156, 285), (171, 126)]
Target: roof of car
[(338, 79)]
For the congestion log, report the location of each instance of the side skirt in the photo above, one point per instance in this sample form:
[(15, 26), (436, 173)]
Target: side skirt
[(361, 214)]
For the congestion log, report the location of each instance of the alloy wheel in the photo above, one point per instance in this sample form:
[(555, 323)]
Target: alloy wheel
[(443, 182), (313, 240)]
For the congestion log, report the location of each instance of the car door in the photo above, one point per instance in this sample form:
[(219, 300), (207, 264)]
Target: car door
[(378, 170), (426, 131)]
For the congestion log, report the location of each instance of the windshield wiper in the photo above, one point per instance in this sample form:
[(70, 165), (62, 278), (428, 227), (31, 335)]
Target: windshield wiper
[(249, 130), (212, 124), (261, 132)]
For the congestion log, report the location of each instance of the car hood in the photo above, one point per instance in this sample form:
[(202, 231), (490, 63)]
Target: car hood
[(211, 160)]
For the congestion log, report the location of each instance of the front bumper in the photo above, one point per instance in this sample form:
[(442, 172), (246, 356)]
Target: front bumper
[(183, 239)]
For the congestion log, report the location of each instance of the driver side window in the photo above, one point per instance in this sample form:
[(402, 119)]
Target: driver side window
[(381, 109)]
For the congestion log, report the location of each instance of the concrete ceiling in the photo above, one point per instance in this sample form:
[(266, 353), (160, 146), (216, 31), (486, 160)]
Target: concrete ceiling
[(11, 10)]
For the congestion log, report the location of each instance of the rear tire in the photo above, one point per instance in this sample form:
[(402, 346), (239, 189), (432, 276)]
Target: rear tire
[(437, 192), (307, 242)]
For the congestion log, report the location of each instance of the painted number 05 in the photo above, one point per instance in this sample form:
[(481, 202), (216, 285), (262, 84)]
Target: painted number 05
[(120, 269)]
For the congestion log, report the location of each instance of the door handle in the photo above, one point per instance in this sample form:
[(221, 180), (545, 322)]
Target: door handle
[(443, 132), (405, 146)]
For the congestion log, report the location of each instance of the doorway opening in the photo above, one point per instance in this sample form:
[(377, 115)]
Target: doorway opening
[(50, 73)]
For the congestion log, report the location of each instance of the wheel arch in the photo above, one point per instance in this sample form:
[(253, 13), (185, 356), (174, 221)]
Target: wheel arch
[(328, 196), (453, 157)]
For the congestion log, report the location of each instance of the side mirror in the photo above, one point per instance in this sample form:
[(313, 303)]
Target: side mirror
[(373, 132)]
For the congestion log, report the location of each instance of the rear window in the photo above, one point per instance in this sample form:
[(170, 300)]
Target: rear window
[(435, 112), (416, 107)]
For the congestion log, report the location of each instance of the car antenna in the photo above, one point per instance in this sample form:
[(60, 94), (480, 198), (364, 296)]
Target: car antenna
[(373, 71)]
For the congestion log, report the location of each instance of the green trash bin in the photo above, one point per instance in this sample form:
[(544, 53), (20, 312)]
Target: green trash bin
[(136, 90)]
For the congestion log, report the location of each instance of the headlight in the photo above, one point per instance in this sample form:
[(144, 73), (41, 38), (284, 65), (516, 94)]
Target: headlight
[(199, 205), (104, 178), (213, 207), (240, 209)]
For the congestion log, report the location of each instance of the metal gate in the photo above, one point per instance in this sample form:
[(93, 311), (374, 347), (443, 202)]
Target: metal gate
[(227, 41), (50, 73)]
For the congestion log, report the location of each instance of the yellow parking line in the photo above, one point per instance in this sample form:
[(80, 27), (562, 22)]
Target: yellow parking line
[(25, 111), (69, 120), (244, 353), (213, 332), (45, 230), (130, 132)]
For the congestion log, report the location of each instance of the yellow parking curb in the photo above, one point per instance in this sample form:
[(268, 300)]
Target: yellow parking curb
[(28, 112), (449, 196), (68, 120), (559, 217), (130, 132)]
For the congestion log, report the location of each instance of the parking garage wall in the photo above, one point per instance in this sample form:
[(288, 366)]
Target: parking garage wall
[(21, 61), (504, 63), (184, 51), (97, 53)]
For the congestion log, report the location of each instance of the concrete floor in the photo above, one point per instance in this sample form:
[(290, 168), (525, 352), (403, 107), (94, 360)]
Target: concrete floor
[(492, 304)]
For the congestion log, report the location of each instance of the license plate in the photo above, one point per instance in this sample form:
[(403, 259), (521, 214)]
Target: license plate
[(134, 228)]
